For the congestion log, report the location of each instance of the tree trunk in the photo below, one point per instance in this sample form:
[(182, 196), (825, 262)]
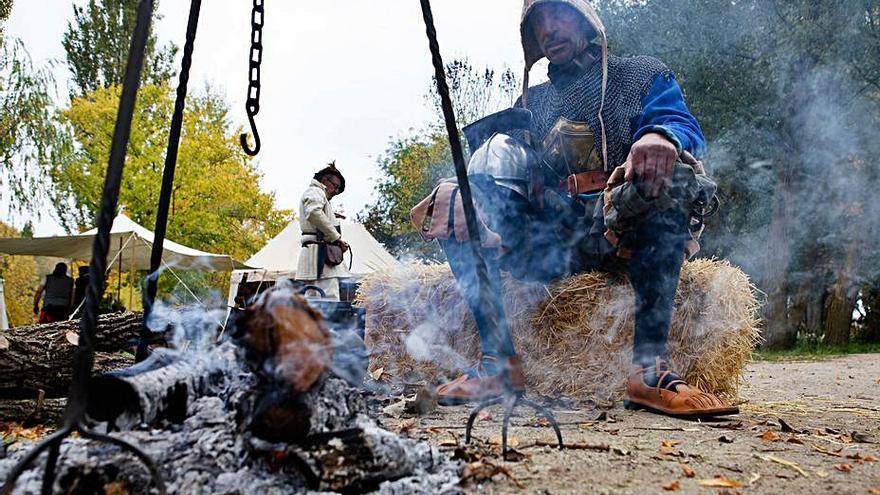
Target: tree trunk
[(32, 411), (779, 332), (842, 302), (40, 356)]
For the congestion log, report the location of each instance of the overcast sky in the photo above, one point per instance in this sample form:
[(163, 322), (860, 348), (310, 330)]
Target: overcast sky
[(340, 77)]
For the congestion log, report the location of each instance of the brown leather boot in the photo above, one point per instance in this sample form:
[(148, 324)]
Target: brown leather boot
[(671, 395), (467, 389)]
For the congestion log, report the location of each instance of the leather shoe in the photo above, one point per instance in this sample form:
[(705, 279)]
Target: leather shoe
[(659, 389), (467, 388)]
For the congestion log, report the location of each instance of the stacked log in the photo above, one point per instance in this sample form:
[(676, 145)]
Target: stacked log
[(40, 356)]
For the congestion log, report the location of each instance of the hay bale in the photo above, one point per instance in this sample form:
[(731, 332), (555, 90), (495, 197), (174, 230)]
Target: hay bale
[(575, 336)]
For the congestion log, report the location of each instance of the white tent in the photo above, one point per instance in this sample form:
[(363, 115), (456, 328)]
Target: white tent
[(130, 245), (278, 258)]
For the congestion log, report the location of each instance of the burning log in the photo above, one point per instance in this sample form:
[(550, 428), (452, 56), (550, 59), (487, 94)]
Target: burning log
[(40, 356), (290, 350)]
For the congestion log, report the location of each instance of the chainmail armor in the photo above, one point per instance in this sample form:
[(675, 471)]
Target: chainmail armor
[(629, 80)]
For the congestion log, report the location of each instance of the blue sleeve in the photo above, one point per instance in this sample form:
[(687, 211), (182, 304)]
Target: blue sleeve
[(664, 112)]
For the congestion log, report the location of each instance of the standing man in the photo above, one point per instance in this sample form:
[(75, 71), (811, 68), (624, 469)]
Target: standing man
[(603, 178), (320, 259), (56, 292)]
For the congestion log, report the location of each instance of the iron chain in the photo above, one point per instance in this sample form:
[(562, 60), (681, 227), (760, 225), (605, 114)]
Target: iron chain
[(252, 104)]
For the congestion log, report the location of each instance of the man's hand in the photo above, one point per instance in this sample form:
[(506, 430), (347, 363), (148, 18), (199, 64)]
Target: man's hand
[(343, 245), (650, 163)]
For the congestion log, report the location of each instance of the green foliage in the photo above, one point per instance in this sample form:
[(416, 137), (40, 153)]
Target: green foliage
[(216, 206), (97, 44), (413, 165), (26, 129), (5, 10), (787, 93)]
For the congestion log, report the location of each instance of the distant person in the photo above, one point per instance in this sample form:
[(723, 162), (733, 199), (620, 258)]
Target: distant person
[(80, 286), (57, 294), (320, 258)]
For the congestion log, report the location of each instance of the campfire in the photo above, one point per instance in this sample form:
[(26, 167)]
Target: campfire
[(266, 409)]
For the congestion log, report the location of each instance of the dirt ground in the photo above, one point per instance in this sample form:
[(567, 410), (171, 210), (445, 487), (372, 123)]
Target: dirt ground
[(804, 427)]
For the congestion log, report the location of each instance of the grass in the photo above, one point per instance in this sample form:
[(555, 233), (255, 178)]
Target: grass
[(811, 350)]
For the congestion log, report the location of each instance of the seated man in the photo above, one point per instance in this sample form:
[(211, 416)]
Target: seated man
[(561, 207)]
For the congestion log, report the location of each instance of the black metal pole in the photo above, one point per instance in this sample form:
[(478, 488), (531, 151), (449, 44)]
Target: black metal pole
[(149, 296), (84, 356), (487, 299)]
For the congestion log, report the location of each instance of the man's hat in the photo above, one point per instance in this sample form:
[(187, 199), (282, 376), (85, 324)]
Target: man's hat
[(331, 169)]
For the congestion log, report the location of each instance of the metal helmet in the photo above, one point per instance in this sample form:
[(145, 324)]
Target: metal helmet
[(506, 160)]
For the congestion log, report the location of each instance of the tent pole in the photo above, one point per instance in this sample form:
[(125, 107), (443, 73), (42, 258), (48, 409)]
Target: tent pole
[(119, 275), (149, 295), (132, 279)]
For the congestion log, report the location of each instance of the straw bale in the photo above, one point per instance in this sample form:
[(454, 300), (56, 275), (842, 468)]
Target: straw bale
[(575, 335)]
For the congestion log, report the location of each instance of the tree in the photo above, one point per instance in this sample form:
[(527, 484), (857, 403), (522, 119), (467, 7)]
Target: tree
[(412, 165), (26, 129), (20, 280), (787, 92), (97, 44), (217, 204)]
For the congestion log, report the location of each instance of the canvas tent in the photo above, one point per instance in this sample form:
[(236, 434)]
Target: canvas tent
[(130, 248), (278, 258)]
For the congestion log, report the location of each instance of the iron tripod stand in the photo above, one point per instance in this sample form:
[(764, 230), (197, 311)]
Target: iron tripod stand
[(512, 396)]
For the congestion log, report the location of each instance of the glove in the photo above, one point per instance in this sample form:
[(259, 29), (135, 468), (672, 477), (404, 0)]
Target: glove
[(36, 309)]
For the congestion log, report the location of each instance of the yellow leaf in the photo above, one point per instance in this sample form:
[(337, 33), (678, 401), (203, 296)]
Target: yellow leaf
[(688, 471), (843, 468), (720, 482)]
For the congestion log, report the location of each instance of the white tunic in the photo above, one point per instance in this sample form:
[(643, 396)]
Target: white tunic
[(316, 216)]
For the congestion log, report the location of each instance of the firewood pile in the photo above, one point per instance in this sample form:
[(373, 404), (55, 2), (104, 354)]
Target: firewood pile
[(35, 363), (262, 411)]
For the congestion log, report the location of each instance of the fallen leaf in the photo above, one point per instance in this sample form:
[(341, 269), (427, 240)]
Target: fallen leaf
[(669, 443), (795, 440), (720, 482), (823, 450), (71, 337), (770, 436), (754, 479), (620, 451), (874, 491), (843, 468), (844, 438), (687, 471), (116, 488), (727, 426), (725, 439), (822, 474), (376, 374), (484, 416), (586, 426), (671, 452), (869, 458), (672, 486), (4, 343)]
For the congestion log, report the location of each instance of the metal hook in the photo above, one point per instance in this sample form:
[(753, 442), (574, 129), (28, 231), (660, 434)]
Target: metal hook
[(244, 138)]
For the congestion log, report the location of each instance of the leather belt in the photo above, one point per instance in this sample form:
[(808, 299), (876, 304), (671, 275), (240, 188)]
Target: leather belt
[(585, 182)]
